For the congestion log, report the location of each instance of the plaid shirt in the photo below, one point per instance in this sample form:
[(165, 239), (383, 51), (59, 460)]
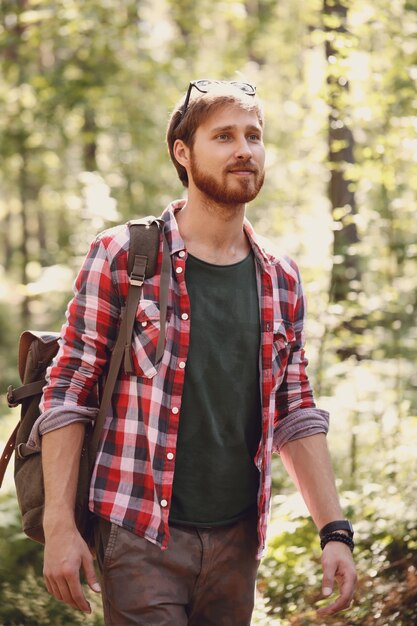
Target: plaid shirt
[(133, 475)]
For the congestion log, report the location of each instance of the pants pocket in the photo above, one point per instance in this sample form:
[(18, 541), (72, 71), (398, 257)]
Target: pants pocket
[(105, 535)]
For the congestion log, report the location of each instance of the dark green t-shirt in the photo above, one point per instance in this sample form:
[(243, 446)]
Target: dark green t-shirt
[(216, 480)]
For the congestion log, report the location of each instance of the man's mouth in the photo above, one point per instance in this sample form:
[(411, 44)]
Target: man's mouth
[(242, 171)]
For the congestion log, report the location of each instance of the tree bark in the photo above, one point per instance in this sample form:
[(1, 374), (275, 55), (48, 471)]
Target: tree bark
[(346, 269), (24, 252), (90, 140)]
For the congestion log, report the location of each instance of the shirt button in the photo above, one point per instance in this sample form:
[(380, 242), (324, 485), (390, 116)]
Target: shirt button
[(184, 316), (170, 456), (164, 503), (181, 254), (144, 324), (175, 410), (179, 270), (181, 364)]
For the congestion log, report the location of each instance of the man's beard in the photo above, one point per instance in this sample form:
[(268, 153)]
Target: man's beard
[(245, 188)]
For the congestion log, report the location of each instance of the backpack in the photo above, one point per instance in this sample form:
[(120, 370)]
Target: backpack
[(36, 352)]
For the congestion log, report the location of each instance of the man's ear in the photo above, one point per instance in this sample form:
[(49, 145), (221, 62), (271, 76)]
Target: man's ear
[(181, 152)]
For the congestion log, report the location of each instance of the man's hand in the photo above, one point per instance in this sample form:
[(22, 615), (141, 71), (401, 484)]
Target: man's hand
[(66, 554), (338, 566)]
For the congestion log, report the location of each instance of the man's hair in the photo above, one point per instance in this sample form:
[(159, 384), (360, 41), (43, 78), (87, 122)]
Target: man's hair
[(199, 108)]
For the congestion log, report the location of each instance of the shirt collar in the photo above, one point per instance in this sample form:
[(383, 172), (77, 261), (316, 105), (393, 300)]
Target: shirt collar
[(261, 249), (176, 243), (172, 233)]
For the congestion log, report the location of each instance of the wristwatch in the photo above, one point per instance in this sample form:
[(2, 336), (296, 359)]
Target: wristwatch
[(333, 527)]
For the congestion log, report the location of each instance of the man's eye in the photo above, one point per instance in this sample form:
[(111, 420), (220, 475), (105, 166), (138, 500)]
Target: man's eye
[(254, 137)]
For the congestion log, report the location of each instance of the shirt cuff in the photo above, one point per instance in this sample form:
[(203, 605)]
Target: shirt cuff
[(300, 423), (55, 418)]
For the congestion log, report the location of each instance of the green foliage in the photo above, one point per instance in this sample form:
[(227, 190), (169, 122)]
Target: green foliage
[(8, 354), (385, 553)]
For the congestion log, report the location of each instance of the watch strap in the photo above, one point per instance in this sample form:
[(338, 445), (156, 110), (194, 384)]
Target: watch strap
[(333, 527)]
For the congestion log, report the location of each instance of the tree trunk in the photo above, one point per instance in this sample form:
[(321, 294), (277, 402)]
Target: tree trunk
[(346, 270), (345, 282), (7, 249), (90, 140), (12, 53), (24, 253)]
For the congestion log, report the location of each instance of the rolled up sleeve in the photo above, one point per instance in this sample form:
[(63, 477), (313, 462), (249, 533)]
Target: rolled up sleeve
[(296, 414)]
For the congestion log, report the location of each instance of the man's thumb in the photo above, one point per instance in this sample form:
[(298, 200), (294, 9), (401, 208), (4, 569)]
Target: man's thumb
[(327, 587), (90, 574)]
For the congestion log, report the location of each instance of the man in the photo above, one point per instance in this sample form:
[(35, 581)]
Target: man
[(182, 481)]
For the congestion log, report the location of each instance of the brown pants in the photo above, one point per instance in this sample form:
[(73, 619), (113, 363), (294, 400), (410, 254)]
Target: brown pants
[(206, 577)]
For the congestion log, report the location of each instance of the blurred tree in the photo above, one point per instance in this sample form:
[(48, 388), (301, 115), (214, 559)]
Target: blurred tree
[(345, 276)]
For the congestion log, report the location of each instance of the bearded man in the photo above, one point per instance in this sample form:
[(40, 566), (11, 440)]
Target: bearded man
[(182, 482)]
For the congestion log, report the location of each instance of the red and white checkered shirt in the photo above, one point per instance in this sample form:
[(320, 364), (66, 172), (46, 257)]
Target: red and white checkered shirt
[(133, 475)]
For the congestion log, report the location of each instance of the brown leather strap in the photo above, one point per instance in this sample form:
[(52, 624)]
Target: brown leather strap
[(15, 395), (144, 236), (144, 266), (136, 280), (7, 453), (125, 331), (163, 297), (124, 338)]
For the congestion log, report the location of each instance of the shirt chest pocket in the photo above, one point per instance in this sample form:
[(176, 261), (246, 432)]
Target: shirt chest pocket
[(145, 338), (284, 336)]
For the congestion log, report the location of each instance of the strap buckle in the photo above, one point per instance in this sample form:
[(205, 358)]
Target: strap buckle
[(11, 400), (18, 451), (136, 281)]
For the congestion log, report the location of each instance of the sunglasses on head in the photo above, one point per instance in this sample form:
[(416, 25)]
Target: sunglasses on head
[(203, 85)]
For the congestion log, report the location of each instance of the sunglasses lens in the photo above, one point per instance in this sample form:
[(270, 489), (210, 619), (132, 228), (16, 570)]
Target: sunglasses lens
[(203, 84), (246, 88)]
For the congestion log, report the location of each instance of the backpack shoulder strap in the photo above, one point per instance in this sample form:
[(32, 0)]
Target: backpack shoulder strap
[(142, 263), (144, 242)]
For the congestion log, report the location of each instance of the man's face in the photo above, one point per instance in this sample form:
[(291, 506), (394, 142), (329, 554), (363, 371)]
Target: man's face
[(228, 155)]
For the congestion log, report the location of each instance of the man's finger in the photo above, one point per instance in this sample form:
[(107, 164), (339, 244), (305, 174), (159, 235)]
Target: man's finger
[(339, 604), (53, 589), (48, 586), (76, 596), (62, 592), (90, 573), (327, 588), (343, 601), (328, 580)]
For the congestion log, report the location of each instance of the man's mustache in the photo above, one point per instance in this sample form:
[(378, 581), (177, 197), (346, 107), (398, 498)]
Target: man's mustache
[(243, 167)]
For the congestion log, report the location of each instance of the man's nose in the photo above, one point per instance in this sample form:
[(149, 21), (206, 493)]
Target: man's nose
[(243, 150)]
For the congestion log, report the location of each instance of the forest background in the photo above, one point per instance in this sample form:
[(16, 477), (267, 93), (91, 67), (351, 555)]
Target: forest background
[(85, 91)]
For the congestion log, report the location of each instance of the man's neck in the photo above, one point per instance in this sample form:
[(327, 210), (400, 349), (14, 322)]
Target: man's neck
[(213, 232)]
